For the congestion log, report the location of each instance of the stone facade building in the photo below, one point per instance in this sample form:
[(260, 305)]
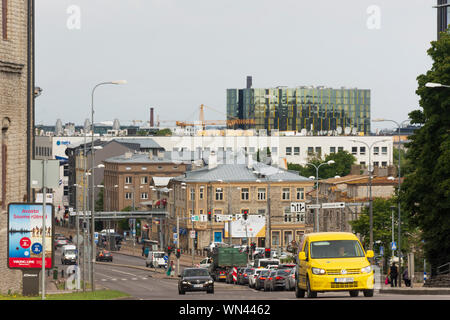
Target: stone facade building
[(232, 189), (16, 119)]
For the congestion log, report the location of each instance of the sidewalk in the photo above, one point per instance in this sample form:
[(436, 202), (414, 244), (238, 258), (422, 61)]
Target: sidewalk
[(417, 289)]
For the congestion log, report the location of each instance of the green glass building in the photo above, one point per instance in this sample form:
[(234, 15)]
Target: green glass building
[(315, 109)]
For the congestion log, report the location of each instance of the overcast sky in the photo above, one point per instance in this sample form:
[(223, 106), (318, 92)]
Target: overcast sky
[(178, 54)]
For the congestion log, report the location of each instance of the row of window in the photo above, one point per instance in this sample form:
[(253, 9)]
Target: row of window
[(129, 195), (318, 150), (260, 194)]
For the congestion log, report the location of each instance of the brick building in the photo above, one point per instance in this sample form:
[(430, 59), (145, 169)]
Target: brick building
[(16, 118)]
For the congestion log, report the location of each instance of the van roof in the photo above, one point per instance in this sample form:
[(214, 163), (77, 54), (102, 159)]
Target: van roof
[(69, 246), (320, 236)]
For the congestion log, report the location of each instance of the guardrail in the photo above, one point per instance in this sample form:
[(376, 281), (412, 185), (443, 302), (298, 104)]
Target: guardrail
[(444, 269)]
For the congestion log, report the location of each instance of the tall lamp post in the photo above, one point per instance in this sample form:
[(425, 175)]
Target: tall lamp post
[(92, 177), (399, 125), (316, 220), (370, 167)]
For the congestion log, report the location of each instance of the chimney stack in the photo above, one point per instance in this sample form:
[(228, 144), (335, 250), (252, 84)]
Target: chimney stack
[(151, 118), (249, 82)]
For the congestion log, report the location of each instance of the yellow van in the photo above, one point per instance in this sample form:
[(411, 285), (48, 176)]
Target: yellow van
[(333, 261)]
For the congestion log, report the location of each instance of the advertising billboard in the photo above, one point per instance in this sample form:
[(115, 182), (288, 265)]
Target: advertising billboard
[(253, 227), (25, 234)]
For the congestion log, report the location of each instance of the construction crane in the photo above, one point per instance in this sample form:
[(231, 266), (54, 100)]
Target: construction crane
[(204, 123)]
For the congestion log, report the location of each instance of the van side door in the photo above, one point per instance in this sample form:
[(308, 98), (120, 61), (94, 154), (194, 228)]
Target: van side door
[(303, 266)]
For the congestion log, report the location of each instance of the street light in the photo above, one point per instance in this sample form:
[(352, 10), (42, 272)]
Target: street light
[(330, 162), (115, 82), (435, 85), (370, 170)]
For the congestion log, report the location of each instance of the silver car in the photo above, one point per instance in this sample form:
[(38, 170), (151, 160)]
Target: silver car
[(290, 280), (252, 277)]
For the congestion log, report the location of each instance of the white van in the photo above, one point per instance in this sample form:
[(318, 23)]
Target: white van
[(156, 259), (69, 254)]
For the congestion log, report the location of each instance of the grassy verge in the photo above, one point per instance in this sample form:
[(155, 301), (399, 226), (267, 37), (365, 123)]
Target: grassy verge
[(89, 295)]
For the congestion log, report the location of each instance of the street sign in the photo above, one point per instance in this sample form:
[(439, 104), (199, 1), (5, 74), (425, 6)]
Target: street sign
[(313, 206), (195, 218), (166, 258), (333, 205), (192, 234), (175, 236), (298, 207), (393, 246)]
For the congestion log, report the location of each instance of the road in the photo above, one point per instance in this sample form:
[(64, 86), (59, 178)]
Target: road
[(147, 284)]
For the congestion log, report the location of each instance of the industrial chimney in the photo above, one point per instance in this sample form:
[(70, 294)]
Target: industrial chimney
[(151, 118), (249, 82)]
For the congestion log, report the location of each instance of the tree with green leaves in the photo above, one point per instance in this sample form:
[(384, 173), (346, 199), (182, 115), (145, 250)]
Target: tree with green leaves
[(425, 193), (342, 166)]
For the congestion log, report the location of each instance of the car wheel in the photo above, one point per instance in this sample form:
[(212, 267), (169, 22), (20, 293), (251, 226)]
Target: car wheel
[(354, 293), (299, 293), (368, 293), (309, 292)]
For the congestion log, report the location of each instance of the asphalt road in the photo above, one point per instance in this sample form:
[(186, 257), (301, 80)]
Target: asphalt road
[(147, 284)]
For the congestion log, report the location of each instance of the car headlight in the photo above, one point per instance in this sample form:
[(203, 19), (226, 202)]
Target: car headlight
[(210, 281), (318, 271), (367, 269), (185, 282)]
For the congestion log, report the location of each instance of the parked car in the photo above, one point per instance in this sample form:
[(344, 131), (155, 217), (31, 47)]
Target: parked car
[(290, 280), (278, 279), (195, 279), (104, 255), (243, 278), (267, 283), (61, 241), (259, 282)]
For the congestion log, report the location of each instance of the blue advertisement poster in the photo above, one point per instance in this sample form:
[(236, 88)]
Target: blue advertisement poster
[(25, 234)]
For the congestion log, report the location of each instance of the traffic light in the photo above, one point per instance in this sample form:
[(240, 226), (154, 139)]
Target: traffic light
[(178, 253), (209, 216), (267, 253), (253, 246), (169, 250), (245, 214)]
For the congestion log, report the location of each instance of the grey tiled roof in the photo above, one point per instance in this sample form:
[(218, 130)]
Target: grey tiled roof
[(240, 173), (145, 158), (144, 143)]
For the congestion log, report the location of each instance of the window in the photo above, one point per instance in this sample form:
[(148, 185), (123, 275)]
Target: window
[(287, 214), (384, 164), (245, 192), (340, 149), (261, 194), (319, 150), (275, 238), (201, 192), (274, 150), (128, 195), (261, 211), (376, 164), (296, 151), (376, 151), (354, 150), (332, 149), (310, 151), (384, 151), (288, 151), (362, 150), (192, 194), (128, 180), (288, 237), (144, 180), (300, 217), (219, 194), (144, 195), (300, 194), (286, 194)]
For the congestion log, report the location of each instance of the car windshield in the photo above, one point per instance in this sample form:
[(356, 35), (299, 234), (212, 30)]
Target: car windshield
[(72, 251), (336, 249), (158, 255), (263, 263), (196, 273), (249, 270), (265, 273)]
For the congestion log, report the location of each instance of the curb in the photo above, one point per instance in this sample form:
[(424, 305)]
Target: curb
[(412, 291)]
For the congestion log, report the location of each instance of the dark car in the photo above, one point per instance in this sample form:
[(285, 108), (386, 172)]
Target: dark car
[(195, 279), (278, 279), (269, 278), (104, 255), (244, 275), (259, 283)]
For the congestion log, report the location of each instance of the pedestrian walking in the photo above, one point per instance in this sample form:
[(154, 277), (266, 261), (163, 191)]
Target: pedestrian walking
[(406, 277), (394, 274)]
